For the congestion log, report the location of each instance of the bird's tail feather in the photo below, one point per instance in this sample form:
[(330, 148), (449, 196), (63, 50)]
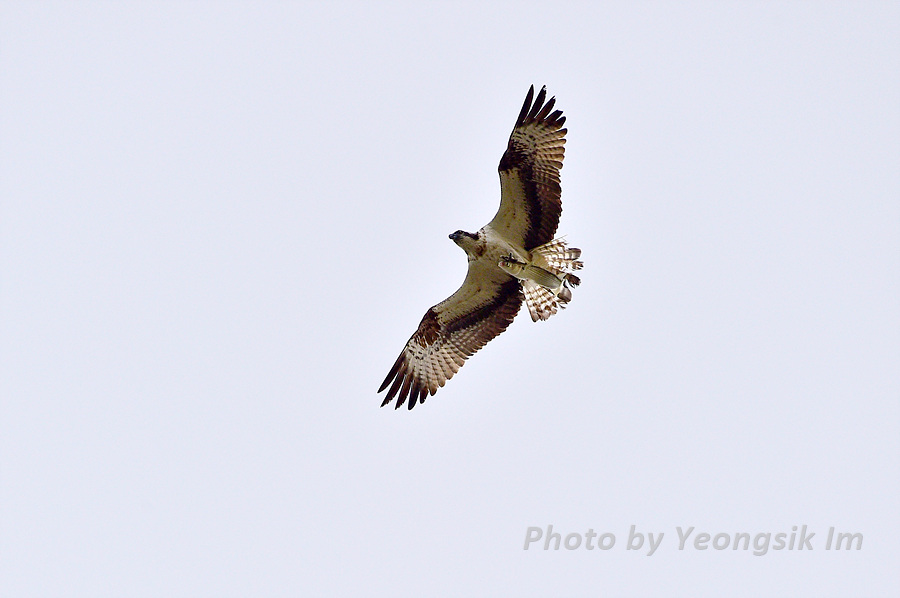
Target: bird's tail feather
[(541, 302), (558, 257)]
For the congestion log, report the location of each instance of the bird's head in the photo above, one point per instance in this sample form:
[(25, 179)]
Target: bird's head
[(465, 240)]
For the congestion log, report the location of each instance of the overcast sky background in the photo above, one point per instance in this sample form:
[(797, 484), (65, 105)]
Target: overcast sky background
[(222, 221)]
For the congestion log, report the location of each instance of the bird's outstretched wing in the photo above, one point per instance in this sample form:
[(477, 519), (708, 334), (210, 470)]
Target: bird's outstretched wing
[(450, 332), (530, 203)]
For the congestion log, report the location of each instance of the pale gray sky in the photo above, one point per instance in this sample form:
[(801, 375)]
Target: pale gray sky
[(219, 224)]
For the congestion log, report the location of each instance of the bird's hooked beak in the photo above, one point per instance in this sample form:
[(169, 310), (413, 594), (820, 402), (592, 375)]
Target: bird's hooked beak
[(454, 236)]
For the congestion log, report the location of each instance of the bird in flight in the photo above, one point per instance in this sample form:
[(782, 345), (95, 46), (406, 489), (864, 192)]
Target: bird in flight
[(513, 258)]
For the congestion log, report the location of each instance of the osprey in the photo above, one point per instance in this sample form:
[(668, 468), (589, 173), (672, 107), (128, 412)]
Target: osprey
[(512, 258)]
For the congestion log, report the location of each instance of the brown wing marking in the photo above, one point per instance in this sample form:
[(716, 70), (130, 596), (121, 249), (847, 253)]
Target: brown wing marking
[(530, 191), (448, 334)]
